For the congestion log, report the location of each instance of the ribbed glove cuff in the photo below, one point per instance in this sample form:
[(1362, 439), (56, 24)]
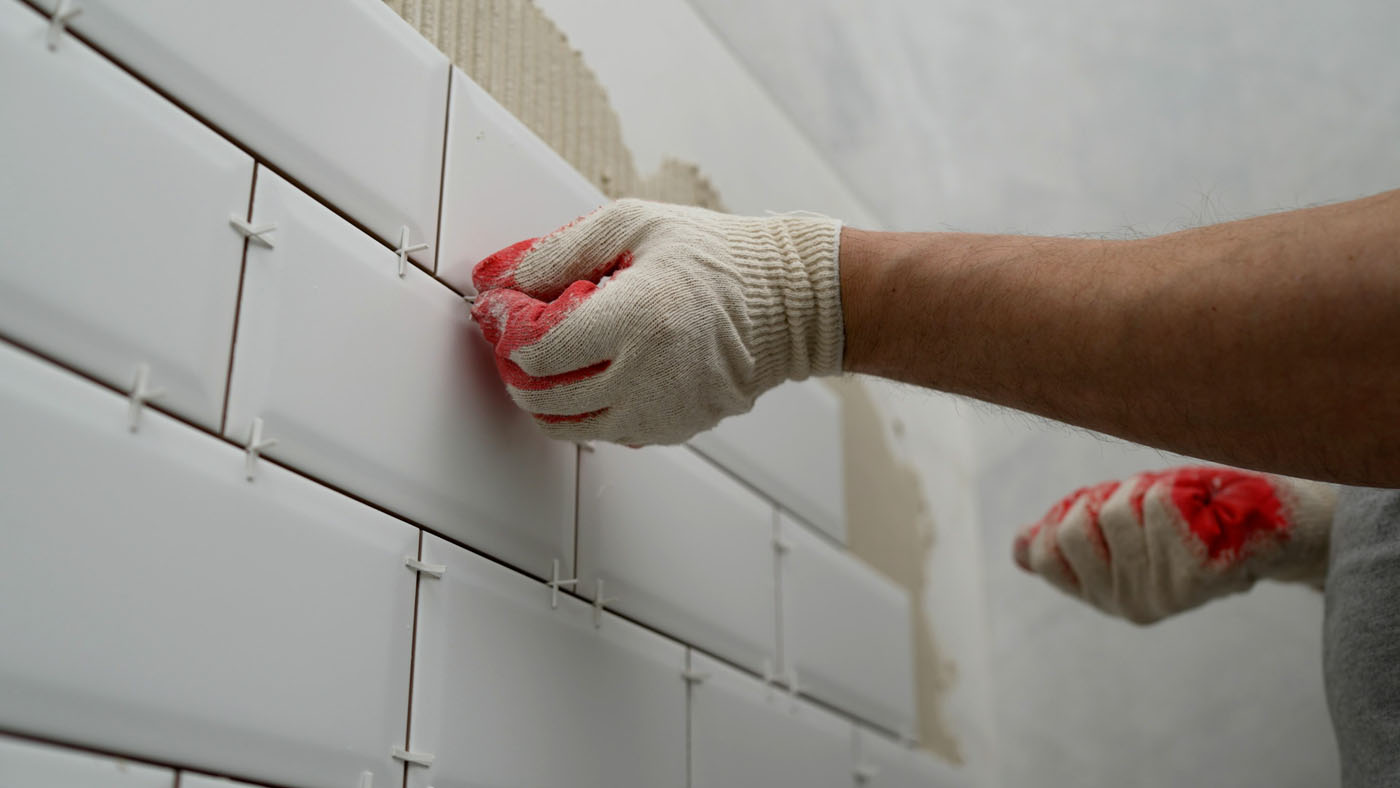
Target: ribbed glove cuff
[(789, 265)]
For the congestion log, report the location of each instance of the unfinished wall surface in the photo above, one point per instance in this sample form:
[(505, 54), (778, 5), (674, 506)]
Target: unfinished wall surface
[(267, 508), (1100, 117)]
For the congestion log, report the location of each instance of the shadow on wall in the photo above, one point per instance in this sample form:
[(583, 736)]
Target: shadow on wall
[(516, 53), (889, 526)]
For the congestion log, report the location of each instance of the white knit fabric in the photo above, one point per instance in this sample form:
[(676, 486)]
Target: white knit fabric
[(1161, 543), (696, 315)]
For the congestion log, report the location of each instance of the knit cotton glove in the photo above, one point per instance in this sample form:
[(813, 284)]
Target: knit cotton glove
[(1161, 543), (645, 323)]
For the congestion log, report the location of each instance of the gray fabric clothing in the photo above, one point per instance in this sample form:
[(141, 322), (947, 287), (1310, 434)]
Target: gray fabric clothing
[(1361, 636)]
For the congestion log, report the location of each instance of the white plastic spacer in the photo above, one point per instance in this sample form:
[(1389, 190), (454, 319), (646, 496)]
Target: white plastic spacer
[(770, 678), (404, 250), (471, 300), (141, 393), (600, 602), (366, 780), (555, 583), (585, 446), (254, 234), (431, 570), (695, 676), (58, 22), (256, 445), (865, 772), (415, 758)]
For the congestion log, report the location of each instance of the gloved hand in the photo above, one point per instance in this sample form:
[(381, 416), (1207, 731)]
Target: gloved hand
[(1160, 543), (699, 314)]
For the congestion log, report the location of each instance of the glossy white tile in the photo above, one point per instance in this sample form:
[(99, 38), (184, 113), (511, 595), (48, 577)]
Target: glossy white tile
[(681, 546), (342, 95), (115, 212), (885, 763), (382, 386), (160, 605), (195, 780), (508, 691), (501, 184), (846, 631), (789, 446), (743, 733), (26, 764)]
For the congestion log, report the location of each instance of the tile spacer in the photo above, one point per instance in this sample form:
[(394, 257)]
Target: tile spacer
[(415, 758), (431, 570), (585, 446), (599, 602), (770, 677), (404, 250), (781, 546), (257, 235), (256, 445), (366, 780), (555, 583), (58, 22), (470, 299), (695, 676), (140, 394), (865, 772)]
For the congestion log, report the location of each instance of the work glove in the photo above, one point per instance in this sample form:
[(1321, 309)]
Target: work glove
[(645, 323), (1161, 543)]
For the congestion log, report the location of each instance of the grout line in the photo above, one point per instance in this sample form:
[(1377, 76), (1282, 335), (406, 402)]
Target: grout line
[(412, 659), (665, 634), (578, 476), (779, 657), (238, 305), (689, 727), (442, 173), (123, 755)]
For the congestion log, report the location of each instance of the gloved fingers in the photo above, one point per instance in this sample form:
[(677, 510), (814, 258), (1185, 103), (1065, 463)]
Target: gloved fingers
[(511, 319), (584, 392), (1082, 544), (588, 249), (1021, 547), (1046, 559), (1122, 529)]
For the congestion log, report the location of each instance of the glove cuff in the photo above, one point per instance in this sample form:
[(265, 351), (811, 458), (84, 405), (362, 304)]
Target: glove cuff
[(794, 297)]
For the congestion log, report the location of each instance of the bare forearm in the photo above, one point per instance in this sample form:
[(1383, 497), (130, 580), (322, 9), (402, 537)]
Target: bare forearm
[(1271, 343)]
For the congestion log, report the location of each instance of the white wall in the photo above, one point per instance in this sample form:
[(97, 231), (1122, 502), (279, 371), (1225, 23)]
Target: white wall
[(1097, 117)]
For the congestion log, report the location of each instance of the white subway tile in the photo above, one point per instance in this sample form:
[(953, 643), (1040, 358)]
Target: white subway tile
[(508, 691), (342, 95), (25, 764), (194, 780), (681, 546), (382, 386), (743, 733), (789, 446), (502, 184), (159, 604), (846, 631), (115, 216)]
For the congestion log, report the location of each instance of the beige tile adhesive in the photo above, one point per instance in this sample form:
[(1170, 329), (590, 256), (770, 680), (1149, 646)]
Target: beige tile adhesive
[(515, 52)]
